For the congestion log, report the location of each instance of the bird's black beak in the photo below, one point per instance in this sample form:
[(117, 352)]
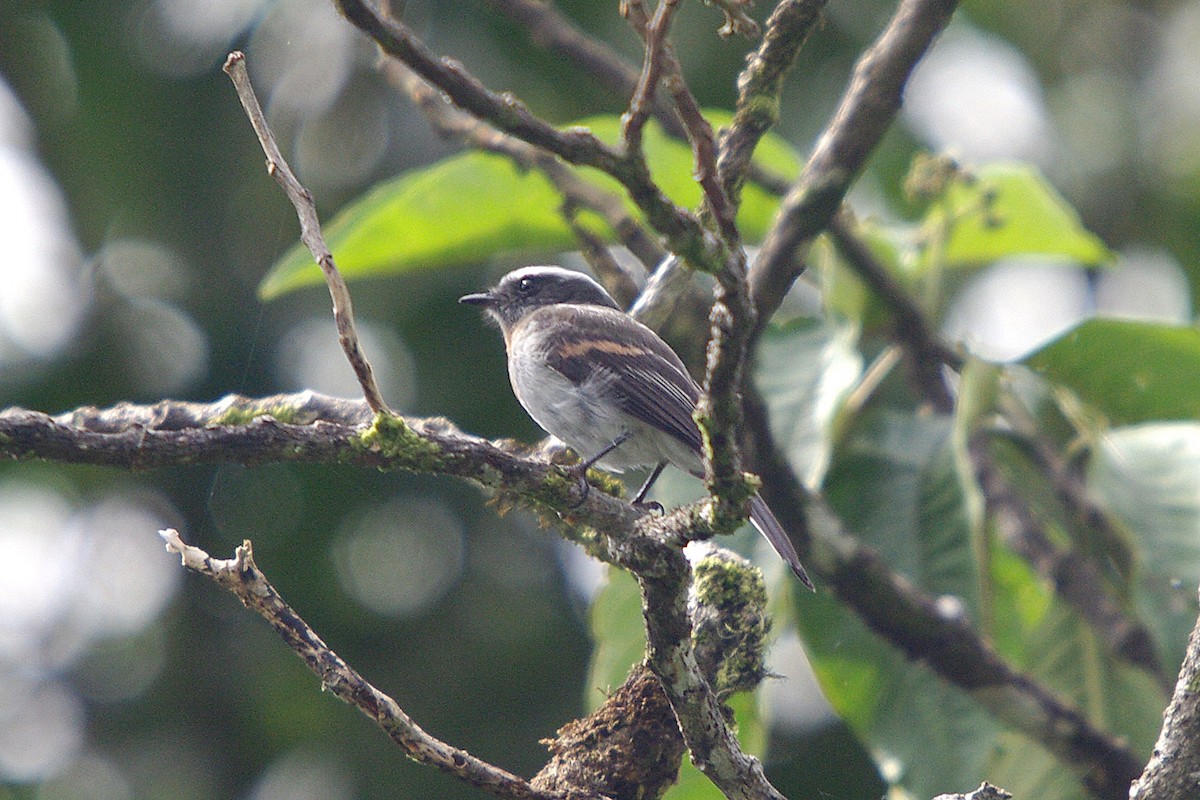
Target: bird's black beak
[(484, 299)]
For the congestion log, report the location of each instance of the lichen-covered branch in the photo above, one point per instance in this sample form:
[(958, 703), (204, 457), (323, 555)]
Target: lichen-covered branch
[(710, 740), (312, 428), (759, 88), (308, 428)]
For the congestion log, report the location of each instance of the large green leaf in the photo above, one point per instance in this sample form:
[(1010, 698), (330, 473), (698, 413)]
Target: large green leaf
[(1130, 371), (897, 485), (1047, 638), (1149, 476), (805, 369), (894, 485), (1003, 210), (473, 206)]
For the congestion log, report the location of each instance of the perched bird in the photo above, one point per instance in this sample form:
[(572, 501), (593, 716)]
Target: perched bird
[(604, 383)]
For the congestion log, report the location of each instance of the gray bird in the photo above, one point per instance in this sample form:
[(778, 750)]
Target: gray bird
[(603, 383)]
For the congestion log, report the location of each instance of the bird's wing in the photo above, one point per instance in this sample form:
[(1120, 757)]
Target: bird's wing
[(639, 370)]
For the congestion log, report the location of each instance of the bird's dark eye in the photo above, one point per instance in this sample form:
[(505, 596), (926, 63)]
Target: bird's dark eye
[(525, 287)]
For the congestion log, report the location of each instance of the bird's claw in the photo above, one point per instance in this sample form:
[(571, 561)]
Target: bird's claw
[(585, 488)]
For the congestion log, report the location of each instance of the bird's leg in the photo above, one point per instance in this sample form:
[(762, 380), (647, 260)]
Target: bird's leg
[(584, 466), (642, 492)]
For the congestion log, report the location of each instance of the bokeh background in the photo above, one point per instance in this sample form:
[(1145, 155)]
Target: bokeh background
[(135, 223)]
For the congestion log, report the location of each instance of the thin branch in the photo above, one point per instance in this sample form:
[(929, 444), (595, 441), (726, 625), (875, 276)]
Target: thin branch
[(553, 30), (697, 129), (685, 234), (612, 276), (1173, 768), (654, 33), (927, 354), (759, 88), (452, 122), (867, 109), (310, 232), (241, 576), (731, 318)]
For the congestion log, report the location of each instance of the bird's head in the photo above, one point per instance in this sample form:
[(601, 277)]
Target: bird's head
[(529, 288)]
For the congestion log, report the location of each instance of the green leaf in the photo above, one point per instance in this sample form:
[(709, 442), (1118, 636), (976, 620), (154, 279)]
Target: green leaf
[(805, 369), (1042, 635), (1130, 371), (1003, 210), (471, 207), (897, 485), (894, 485), (1149, 477), (618, 634)]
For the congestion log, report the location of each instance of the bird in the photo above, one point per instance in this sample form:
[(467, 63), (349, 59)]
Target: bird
[(603, 383)]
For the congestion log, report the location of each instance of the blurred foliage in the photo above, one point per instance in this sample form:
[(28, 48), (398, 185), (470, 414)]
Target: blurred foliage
[(471, 207), (136, 126)]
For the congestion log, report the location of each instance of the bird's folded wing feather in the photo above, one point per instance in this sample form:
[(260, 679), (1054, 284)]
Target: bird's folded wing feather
[(644, 375)]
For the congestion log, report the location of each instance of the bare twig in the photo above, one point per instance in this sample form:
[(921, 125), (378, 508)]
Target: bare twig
[(553, 30), (310, 232), (242, 576), (697, 129), (654, 33), (612, 276), (927, 354), (1174, 767), (866, 111)]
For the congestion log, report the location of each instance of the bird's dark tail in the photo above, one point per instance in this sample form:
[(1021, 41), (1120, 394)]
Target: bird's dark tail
[(762, 518)]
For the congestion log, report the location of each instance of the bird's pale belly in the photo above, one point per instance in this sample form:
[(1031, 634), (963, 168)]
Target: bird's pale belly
[(587, 421)]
